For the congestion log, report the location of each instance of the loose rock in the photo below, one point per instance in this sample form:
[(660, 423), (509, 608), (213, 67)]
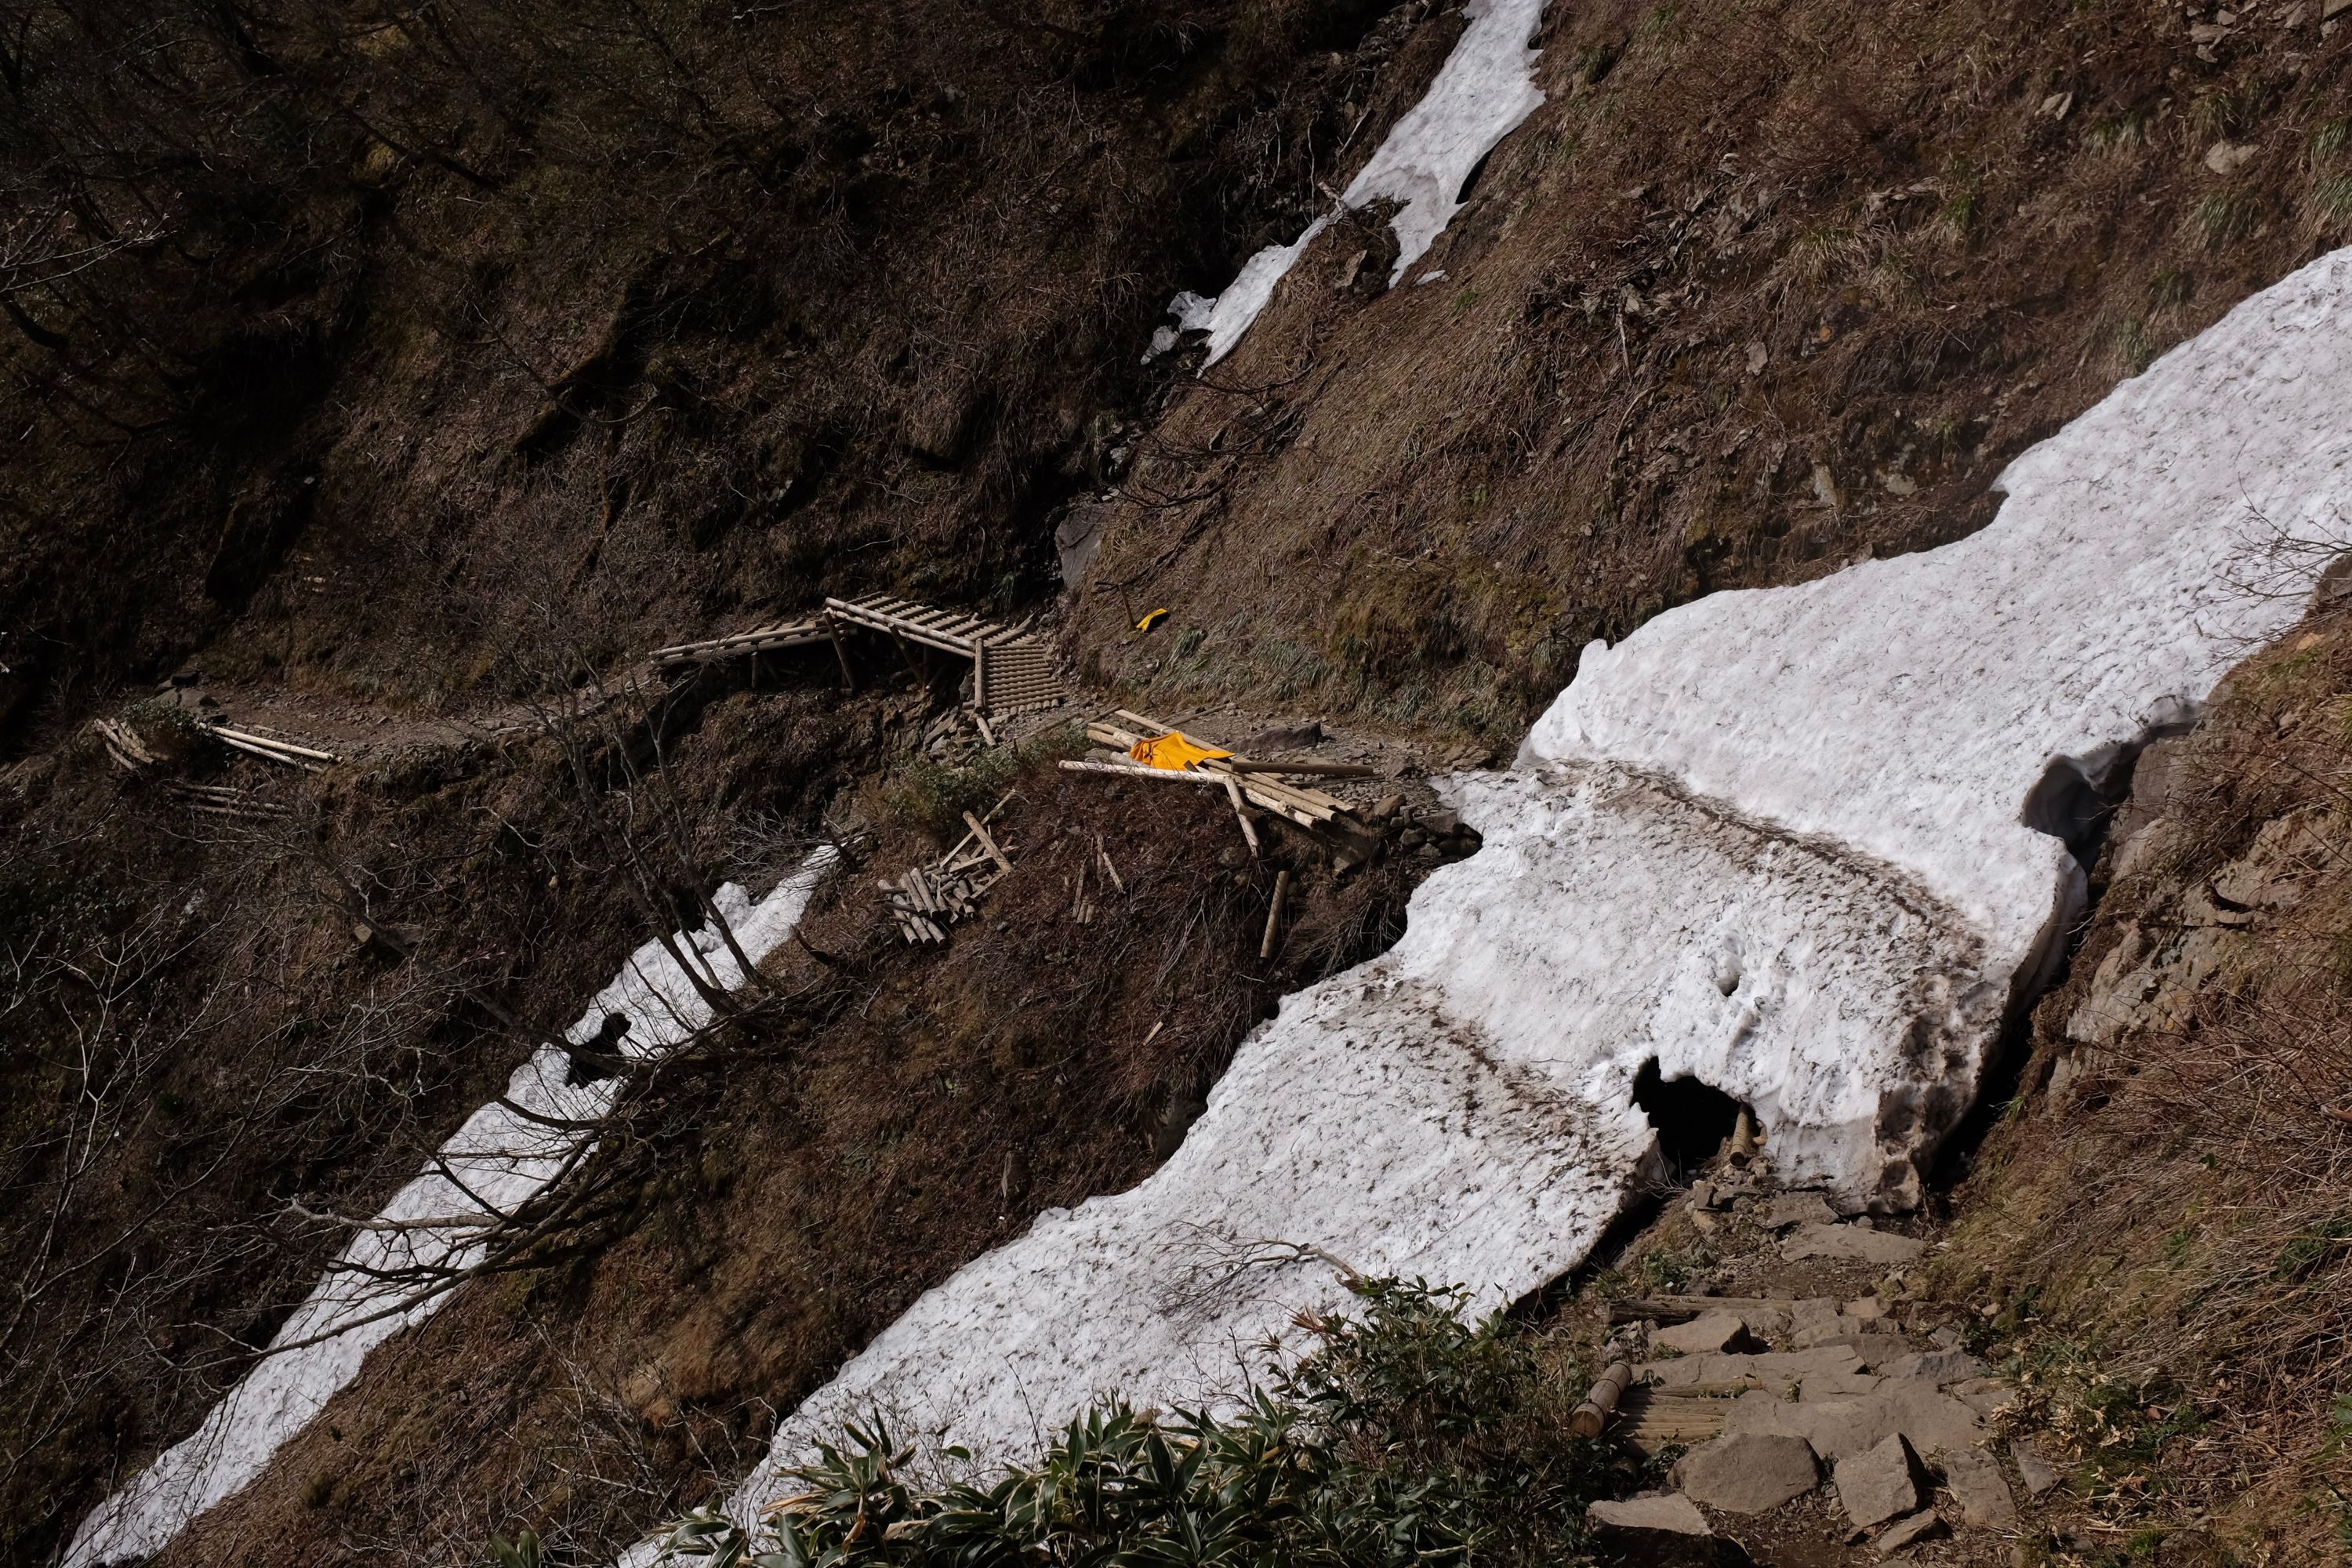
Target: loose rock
[(1907, 1532), (1846, 1241), (1707, 1332), (1664, 1532), (1800, 1208), (1879, 1483), (1935, 1366), (1750, 1472), (1663, 1510), (2037, 1473), (1980, 1490)]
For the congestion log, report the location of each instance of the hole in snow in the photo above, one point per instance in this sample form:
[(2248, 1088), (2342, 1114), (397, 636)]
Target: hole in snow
[(1693, 1118), (2072, 805), (2077, 798)]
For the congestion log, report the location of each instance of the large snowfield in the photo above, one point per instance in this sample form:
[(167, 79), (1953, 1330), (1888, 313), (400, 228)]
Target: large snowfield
[(1776, 839), (498, 1159)]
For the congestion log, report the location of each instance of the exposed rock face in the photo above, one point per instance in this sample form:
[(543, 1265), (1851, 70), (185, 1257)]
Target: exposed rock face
[(2196, 934)]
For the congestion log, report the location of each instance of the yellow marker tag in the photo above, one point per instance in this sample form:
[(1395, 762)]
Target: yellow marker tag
[(1151, 618)]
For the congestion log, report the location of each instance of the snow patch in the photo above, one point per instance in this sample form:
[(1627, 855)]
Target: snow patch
[(500, 1158), (1483, 92), (1775, 840)]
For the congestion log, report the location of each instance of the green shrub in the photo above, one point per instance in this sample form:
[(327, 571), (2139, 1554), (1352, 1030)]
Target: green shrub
[(934, 796), (1411, 1435)]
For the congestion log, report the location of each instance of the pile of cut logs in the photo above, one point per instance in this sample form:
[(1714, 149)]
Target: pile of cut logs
[(927, 900), (123, 744)]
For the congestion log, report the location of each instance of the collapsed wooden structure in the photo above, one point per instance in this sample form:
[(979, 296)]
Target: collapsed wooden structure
[(1011, 672), (743, 645), (927, 900), (1248, 783)]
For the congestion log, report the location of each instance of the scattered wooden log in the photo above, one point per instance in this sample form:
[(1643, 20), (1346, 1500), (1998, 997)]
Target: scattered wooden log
[(309, 759), (1138, 771), (925, 901), (220, 800), (1326, 816), (1274, 915), (1306, 770), (123, 745), (1587, 1419), (980, 831), (1240, 813)]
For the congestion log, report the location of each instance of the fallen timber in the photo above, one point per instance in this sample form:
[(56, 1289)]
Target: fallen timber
[(220, 800), (270, 748), (925, 901), (123, 745), (1011, 672), (1326, 816)]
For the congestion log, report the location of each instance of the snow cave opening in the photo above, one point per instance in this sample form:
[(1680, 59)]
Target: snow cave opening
[(1693, 1118), (2076, 798), (2075, 805)]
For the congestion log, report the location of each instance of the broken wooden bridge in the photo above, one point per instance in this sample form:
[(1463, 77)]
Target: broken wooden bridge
[(1012, 671)]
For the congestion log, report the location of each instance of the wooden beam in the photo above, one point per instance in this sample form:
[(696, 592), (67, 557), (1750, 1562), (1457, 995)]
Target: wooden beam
[(1241, 813), (1274, 915), (1306, 770), (1138, 771), (980, 831), (226, 733)]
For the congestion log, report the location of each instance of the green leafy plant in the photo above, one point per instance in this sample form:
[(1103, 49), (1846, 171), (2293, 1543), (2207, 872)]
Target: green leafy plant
[(1411, 1435), (522, 1552)]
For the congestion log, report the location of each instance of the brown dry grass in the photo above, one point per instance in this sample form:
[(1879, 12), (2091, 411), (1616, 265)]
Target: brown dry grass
[(695, 312), (2177, 1225)]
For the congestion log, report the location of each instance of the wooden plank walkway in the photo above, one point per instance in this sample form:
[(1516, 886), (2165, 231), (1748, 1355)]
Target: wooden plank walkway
[(1012, 672), (766, 639)]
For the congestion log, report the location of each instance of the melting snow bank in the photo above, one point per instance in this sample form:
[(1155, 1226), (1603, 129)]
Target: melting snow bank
[(497, 1160), (1482, 93), (1774, 839)]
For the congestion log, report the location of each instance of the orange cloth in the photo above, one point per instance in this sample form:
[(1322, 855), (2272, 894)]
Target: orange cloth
[(1172, 751)]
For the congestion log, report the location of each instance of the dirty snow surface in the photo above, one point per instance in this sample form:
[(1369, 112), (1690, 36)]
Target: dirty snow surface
[(1775, 839), (499, 1158), (1481, 94)]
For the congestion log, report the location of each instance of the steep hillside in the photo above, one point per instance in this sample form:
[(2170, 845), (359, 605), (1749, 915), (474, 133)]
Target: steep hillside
[(409, 376), (1759, 291)]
